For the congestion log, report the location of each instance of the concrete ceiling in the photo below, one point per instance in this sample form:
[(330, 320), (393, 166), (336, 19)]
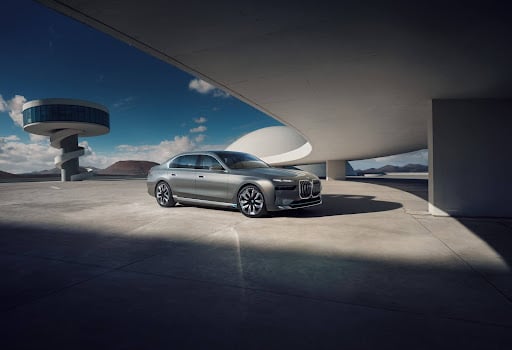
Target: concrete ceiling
[(355, 78)]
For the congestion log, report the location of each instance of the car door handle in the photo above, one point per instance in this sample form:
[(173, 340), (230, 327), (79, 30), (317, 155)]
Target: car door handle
[(173, 174), (201, 176)]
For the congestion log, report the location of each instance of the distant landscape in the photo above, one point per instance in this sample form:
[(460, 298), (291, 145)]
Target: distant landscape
[(140, 168), (122, 168), (409, 168)]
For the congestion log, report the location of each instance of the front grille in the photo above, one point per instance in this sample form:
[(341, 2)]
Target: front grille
[(317, 187), (305, 188)]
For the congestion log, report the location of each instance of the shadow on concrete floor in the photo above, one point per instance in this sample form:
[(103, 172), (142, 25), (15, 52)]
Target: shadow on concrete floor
[(67, 289), (417, 187), (496, 232)]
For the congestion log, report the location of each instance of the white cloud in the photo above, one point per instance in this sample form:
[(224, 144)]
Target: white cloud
[(3, 104), (156, 153), (206, 88), (200, 128), (14, 107), (200, 138), (200, 120), (38, 138), (220, 93), (9, 138), (200, 86), (124, 102), (19, 157)]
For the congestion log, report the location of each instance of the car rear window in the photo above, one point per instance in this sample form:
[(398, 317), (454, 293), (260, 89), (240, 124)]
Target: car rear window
[(184, 162)]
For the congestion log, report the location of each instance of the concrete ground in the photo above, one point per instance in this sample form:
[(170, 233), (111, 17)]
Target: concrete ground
[(99, 264)]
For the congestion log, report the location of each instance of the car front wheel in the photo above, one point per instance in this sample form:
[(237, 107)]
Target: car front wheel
[(251, 202), (163, 195)]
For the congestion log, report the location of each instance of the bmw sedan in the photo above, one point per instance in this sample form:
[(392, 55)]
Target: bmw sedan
[(232, 179)]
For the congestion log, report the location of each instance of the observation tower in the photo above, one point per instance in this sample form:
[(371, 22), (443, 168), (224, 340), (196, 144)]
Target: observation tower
[(64, 120)]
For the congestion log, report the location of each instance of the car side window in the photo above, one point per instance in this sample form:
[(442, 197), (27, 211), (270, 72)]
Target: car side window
[(184, 162), (207, 162)]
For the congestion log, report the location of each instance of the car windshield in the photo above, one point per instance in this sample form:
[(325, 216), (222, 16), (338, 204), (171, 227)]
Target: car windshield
[(235, 160)]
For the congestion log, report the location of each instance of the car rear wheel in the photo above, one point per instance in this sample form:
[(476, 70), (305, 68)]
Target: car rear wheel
[(251, 202), (163, 195)]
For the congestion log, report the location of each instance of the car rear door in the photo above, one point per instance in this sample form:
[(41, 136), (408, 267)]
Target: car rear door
[(183, 174)]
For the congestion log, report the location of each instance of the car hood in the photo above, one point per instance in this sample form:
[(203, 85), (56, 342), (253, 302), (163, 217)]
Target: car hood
[(278, 172)]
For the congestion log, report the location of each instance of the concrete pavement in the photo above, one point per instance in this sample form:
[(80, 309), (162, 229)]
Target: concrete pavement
[(100, 264)]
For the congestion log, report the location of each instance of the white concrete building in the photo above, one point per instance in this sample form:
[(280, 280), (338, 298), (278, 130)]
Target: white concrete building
[(357, 79), (64, 120)]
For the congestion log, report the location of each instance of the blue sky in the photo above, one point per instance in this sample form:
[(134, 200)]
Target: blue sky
[(155, 108)]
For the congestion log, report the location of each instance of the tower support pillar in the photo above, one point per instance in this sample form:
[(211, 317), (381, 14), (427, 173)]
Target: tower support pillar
[(335, 170), (69, 167)]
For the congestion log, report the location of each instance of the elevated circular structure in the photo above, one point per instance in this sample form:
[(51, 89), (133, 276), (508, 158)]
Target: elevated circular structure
[(276, 145), (64, 120)]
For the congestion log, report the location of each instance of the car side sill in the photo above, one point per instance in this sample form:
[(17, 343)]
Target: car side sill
[(203, 202)]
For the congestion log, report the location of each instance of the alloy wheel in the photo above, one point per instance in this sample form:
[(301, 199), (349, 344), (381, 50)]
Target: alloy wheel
[(163, 195), (251, 202)]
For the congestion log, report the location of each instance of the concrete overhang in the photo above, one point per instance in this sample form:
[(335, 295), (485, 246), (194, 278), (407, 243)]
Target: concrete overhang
[(355, 78)]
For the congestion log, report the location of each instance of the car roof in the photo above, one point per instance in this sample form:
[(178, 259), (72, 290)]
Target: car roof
[(208, 152)]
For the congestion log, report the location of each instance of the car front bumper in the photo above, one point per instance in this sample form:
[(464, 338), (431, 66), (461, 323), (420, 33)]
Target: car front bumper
[(299, 203)]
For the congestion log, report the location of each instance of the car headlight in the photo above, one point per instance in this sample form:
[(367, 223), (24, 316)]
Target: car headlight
[(282, 180)]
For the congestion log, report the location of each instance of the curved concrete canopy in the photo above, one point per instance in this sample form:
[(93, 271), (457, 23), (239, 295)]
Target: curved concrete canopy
[(276, 145), (355, 78)]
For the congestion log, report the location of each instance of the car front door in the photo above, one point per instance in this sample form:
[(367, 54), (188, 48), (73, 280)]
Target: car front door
[(182, 176), (212, 180)]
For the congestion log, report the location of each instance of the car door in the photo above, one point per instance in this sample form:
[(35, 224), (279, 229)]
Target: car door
[(182, 175), (212, 180)]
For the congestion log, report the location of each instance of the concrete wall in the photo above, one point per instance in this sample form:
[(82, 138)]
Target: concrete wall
[(470, 146)]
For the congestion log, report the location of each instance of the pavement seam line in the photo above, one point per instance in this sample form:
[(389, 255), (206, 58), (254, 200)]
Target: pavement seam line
[(58, 290), (471, 267), (320, 299), (52, 259), (118, 268)]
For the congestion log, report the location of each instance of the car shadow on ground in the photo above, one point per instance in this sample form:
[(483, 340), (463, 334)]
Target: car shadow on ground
[(332, 205), (339, 204), (417, 187)]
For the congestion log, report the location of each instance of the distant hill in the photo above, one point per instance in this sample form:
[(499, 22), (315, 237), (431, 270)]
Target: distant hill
[(409, 168), (56, 171), (6, 175), (122, 168), (53, 171), (128, 167)]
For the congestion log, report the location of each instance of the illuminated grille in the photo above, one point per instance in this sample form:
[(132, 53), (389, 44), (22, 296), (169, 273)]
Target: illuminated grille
[(305, 188), (316, 188)]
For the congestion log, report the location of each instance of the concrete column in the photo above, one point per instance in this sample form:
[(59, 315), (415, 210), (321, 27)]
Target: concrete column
[(470, 167), (335, 170), (69, 168)]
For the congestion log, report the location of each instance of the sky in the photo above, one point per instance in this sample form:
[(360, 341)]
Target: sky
[(156, 110)]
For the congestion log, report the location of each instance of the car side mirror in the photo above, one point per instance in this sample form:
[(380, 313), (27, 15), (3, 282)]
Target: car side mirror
[(216, 168)]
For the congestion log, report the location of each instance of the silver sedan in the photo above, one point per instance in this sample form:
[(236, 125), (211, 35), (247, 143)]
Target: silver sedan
[(232, 179)]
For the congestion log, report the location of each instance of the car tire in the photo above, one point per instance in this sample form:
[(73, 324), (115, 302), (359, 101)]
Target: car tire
[(163, 195), (251, 202)]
